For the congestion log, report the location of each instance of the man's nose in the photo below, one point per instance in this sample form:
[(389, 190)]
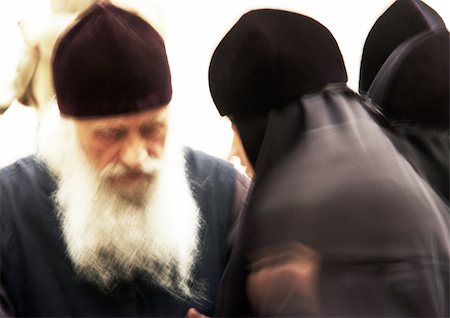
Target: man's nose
[(134, 153)]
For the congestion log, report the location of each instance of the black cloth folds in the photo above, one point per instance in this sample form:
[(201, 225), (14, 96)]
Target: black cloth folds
[(412, 88), (339, 223)]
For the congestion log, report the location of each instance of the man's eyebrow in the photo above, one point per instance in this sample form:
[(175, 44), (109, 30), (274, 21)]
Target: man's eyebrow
[(161, 119), (109, 126), (154, 122)]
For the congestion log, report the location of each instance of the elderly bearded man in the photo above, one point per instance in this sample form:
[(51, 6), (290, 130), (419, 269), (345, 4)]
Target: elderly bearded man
[(112, 218)]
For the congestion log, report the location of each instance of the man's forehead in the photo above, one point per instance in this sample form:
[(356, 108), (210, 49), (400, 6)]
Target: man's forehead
[(145, 117)]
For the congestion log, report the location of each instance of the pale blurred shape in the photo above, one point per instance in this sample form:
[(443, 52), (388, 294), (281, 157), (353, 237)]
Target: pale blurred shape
[(18, 126)]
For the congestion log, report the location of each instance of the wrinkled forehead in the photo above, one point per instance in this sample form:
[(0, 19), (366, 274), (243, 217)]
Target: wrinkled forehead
[(158, 115)]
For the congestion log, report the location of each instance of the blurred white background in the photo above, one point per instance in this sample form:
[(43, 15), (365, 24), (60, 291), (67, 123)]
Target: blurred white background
[(191, 29)]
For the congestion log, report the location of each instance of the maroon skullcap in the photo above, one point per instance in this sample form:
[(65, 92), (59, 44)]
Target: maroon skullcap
[(413, 85), (401, 21), (269, 58), (110, 62)]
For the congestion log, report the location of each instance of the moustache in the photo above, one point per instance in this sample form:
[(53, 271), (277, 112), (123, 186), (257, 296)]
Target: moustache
[(149, 167)]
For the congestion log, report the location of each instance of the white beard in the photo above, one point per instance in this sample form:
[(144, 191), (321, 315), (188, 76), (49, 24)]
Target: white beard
[(111, 237)]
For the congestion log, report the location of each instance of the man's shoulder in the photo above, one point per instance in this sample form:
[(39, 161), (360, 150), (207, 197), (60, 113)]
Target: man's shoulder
[(22, 177), (201, 165), (16, 168), (21, 168), (201, 159)]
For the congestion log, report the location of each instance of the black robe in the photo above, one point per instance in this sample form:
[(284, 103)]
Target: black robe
[(428, 152), (339, 223), (39, 278)]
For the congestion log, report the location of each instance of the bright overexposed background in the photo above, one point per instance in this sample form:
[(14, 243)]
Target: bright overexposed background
[(191, 29)]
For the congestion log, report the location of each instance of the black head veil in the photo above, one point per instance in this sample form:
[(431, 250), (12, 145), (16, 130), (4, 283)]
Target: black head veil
[(402, 20), (405, 71)]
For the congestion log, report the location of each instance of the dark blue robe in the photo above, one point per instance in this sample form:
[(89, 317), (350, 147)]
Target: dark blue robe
[(39, 278)]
